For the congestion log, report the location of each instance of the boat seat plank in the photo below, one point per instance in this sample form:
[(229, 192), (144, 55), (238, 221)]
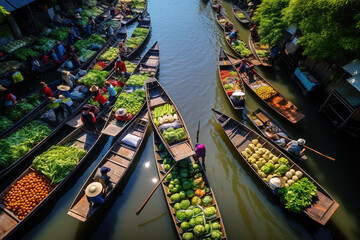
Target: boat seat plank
[(262, 117), (179, 150), (123, 150), (119, 159), (320, 207), (157, 101), (7, 223), (116, 171), (112, 130), (75, 121)]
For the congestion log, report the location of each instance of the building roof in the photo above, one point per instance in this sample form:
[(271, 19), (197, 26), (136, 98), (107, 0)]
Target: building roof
[(353, 67), (349, 92), (10, 5)]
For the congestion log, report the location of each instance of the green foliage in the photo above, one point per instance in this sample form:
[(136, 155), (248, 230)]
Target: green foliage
[(131, 102), (5, 123)]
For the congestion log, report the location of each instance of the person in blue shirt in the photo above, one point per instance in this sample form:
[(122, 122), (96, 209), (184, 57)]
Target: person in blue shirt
[(109, 31), (233, 35), (71, 38), (60, 50), (53, 55), (110, 88), (88, 29), (64, 90), (102, 177), (74, 29), (93, 193), (295, 147)]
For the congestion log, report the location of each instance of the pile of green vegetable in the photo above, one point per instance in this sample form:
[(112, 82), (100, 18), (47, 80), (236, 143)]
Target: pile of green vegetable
[(59, 33), (86, 53), (57, 162), (160, 112), (241, 15), (5, 66), (139, 4), (171, 135), (131, 102), (13, 45), (86, 43), (136, 38), (94, 77), (130, 66), (262, 53), (26, 106), (22, 141), (113, 23), (96, 103), (5, 123), (46, 46), (110, 54), (241, 48), (191, 199), (137, 80), (22, 53)]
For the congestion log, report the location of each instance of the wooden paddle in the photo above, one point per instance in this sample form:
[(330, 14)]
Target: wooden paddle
[(148, 198), (197, 133), (333, 159)]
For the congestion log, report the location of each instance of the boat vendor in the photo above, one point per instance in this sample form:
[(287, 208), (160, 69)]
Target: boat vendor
[(75, 30), (71, 38), (228, 26), (91, 21), (66, 103), (9, 98), (78, 21), (88, 29), (233, 36), (200, 151), (97, 96), (109, 31), (55, 105), (251, 14), (238, 98), (45, 90), (55, 57), (120, 67), (18, 80), (60, 50), (276, 183), (91, 108), (102, 177), (122, 115), (112, 11), (88, 119), (218, 9), (254, 32), (295, 147), (68, 78), (64, 90), (122, 49), (110, 88), (93, 193)]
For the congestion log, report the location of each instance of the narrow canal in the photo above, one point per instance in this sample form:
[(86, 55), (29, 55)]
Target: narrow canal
[(189, 41)]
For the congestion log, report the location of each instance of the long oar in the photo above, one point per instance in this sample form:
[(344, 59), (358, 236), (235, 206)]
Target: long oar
[(333, 159), (145, 202), (197, 133)]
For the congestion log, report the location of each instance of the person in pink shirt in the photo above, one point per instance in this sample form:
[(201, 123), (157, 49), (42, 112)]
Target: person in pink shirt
[(200, 151)]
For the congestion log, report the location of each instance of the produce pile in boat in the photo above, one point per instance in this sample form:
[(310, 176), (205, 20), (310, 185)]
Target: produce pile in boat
[(27, 193), (191, 199), (5, 66), (59, 33), (20, 142), (262, 53), (136, 38), (139, 4), (132, 102), (44, 44), (5, 123), (22, 53), (89, 12), (265, 92), (240, 15), (223, 21), (297, 193), (13, 45), (130, 66), (110, 54), (86, 43), (230, 80), (94, 77), (57, 162), (241, 48)]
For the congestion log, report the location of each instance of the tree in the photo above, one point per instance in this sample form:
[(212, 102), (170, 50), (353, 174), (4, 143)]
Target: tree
[(269, 17), (330, 28)]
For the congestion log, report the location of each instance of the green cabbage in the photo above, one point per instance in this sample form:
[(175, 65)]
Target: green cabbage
[(184, 226), (188, 236), (207, 200), (209, 211), (199, 230), (185, 204)]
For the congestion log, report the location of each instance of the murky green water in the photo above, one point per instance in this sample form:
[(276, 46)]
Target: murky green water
[(189, 41)]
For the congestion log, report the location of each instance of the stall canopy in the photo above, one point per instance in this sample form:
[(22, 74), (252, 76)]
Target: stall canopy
[(353, 67), (11, 5)]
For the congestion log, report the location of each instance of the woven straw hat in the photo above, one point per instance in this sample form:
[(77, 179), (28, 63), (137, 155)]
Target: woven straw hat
[(93, 189), (94, 88), (63, 88), (121, 112)]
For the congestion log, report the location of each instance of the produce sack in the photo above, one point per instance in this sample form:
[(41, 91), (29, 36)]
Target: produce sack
[(175, 125), (69, 65), (131, 140)]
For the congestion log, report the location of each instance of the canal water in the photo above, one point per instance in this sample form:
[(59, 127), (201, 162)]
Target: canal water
[(189, 40)]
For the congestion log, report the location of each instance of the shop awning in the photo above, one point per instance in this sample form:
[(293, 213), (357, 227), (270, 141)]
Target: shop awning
[(353, 67), (13, 5), (349, 92)]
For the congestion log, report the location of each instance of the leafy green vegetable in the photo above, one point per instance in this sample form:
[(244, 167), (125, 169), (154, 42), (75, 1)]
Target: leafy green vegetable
[(137, 80), (241, 48), (188, 236), (94, 77), (268, 168), (207, 200), (110, 54), (185, 204), (216, 235), (84, 44), (171, 135), (22, 53), (57, 162), (199, 230), (5, 123), (59, 34), (209, 211), (130, 66), (131, 102), (136, 38)]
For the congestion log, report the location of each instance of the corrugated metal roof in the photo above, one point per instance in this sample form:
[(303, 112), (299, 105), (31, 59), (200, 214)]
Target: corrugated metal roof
[(13, 5), (7, 6), (349, 93), (355, 81), (353, 67)]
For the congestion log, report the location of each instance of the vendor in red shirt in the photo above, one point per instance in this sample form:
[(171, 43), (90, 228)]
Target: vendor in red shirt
[(9, 99), (45, 90), (97, 96), (120, 67), (88, 119), (122, 115)]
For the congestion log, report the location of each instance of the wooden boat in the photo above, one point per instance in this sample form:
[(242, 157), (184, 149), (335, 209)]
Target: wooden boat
[(119, 36), (225, 65), (323, 206), (136, 13), (251, 58), (165, 184), (254, 47), (146, 24), (53, 85), (270, 128), (277, 101), (54, 126), (120, 158), (156, 96), (79, 138), (236, 10), (214, 5), (148, 64)]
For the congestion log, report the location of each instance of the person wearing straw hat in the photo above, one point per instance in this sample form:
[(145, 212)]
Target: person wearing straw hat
[(122, 115), (102, 177), (276, 183), (78, 21), (45, 90), (64, 90), (67, 103), (93, 193), (68, 78), (98, 97), (55, 105), (296, 147)]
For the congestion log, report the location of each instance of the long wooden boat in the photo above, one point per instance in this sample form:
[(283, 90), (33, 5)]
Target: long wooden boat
[(79, 138), (214, 5), (269, 128), (225, 65), (54, 126), (136, 13), (145, 23), (251, 58), (148, 64), (323, 205), (236, 10), (53, 85), (254, 47), (161, 172), (120, 158), (277, 101), (156, 96)]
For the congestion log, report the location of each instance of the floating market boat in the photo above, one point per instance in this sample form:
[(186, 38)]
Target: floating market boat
[(272, 97), (233, 81), (157, 97), (256, 47), (136, 13), (221, 20), (9, 221), (214, 4), (322, 207), (120, 158), (271, 129), (160, 153), (43, 116), (148, 64), (144, 25), (239, 12)]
